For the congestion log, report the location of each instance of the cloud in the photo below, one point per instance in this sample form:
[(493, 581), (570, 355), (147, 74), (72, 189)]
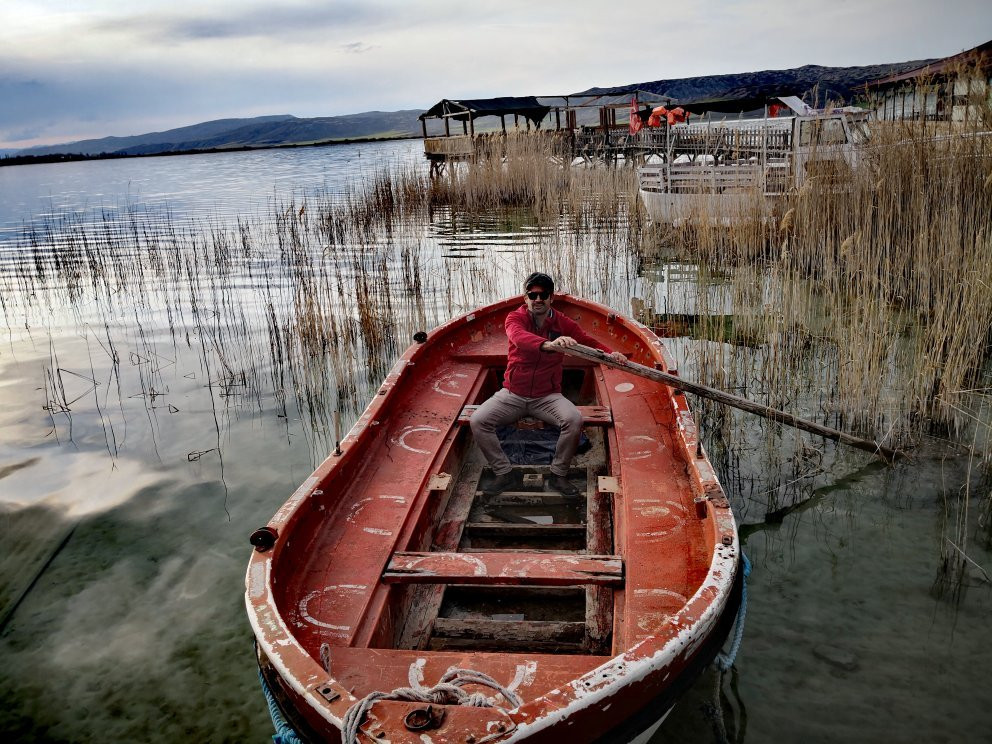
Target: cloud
[(357, 47), (126, 69), (224, 21)]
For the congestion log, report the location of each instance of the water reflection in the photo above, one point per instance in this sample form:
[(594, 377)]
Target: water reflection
[(213, 186), (170, 375)]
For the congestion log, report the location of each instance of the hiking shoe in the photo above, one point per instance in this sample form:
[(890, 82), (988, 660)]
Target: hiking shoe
[(562, 485), (503, 482)]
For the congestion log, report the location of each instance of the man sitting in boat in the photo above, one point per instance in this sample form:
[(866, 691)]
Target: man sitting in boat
[(532, 386)]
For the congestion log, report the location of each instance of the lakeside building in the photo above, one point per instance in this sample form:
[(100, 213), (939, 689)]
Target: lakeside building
[(951, 89), (582, 125), (613, 125)]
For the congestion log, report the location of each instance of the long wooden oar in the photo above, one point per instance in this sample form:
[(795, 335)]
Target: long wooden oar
[(595, 355)]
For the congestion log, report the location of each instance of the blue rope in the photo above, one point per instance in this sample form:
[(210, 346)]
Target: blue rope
[(284, 732), (724, 661)]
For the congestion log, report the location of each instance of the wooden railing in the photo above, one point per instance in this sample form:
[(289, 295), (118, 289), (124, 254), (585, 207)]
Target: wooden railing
[(706, 178), (457, 146)]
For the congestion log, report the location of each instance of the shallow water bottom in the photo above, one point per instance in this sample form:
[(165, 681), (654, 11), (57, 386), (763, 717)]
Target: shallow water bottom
[(136, 630), (846, 638)]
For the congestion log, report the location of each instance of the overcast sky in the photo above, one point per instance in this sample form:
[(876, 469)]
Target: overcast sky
[(75, 69)]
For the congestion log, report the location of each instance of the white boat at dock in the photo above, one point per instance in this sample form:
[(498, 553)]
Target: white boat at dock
[(738, 169)]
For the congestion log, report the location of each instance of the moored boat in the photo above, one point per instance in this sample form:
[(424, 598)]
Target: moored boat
[(738, 170), (392, 599)]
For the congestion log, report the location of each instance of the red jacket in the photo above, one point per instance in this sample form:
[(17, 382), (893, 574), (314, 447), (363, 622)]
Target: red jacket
[(530, 372)]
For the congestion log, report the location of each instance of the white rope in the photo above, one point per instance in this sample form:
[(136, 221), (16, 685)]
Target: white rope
[(448, 691)]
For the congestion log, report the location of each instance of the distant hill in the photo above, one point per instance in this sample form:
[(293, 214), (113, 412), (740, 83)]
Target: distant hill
[(814, 83), (261, 131), (116, 144)]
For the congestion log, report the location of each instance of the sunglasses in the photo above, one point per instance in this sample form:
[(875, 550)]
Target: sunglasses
[(535, 295)]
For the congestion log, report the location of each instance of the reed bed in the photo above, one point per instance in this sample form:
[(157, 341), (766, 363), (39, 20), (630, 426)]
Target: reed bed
[(305, 308), (865, 304)]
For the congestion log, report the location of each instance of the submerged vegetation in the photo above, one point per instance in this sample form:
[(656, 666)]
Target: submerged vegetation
[(866, 305)]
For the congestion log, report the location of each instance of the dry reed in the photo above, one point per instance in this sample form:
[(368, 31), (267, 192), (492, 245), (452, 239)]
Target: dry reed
[(867, 305)]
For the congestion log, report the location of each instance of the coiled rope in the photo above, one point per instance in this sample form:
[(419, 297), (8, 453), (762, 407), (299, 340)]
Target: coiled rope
[(284, 732), (448, 691), (724, 661)]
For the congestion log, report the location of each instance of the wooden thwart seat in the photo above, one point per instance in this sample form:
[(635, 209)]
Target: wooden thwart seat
[(591, 415), (505, 568)]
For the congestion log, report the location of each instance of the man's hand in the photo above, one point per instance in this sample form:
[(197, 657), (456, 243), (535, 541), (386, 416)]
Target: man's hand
[(616, 356), (562, 342)]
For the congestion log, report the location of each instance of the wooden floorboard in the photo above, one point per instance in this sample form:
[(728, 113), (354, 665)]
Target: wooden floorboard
[(503, 529), (512, 631), (599, 599), (537, 569), (425, 601), (529, 498)]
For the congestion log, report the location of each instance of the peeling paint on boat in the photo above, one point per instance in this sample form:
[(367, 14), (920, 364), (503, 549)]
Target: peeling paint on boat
[(407, 431), (654, 511), (305, 614), (357, 508), (661, 593), (524, 676), (452, 381), (257, 580), (294, 501)]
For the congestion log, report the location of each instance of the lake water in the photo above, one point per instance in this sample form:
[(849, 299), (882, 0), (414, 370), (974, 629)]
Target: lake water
[(204, 185), (149, 425)]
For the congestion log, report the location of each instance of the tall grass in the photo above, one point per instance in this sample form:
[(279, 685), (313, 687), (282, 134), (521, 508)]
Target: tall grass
[(867, 305), (308, 305)]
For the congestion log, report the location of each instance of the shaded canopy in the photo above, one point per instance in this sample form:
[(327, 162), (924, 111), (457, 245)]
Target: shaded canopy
[(737, 100), (611, 98), (526, 106)]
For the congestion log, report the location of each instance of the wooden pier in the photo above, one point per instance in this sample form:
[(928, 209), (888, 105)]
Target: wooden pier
[(567, 123), (618, 138)]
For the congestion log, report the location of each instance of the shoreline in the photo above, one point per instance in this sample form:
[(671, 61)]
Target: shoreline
[(13, 160)]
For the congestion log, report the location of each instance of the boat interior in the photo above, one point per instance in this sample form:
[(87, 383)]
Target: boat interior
[(397, 549), (446, 604), (518, 534)]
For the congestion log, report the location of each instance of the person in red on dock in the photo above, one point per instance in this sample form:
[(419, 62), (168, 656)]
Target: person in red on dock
[(532, 386)]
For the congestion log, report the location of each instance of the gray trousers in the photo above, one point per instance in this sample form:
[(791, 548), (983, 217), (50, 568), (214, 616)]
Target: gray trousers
[(505, 408)]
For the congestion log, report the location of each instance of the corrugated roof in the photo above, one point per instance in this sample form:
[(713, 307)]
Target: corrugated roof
[(737, 100), (527, 106), (980, 55)]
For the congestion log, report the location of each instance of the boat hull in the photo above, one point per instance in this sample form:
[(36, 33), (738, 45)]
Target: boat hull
[(391, 565), (636, 728)]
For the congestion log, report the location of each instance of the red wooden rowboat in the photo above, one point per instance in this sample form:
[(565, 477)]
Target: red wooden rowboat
[(390, 566)]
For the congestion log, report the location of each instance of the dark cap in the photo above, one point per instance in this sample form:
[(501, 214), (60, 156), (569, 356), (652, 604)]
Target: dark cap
[(539, 279)]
